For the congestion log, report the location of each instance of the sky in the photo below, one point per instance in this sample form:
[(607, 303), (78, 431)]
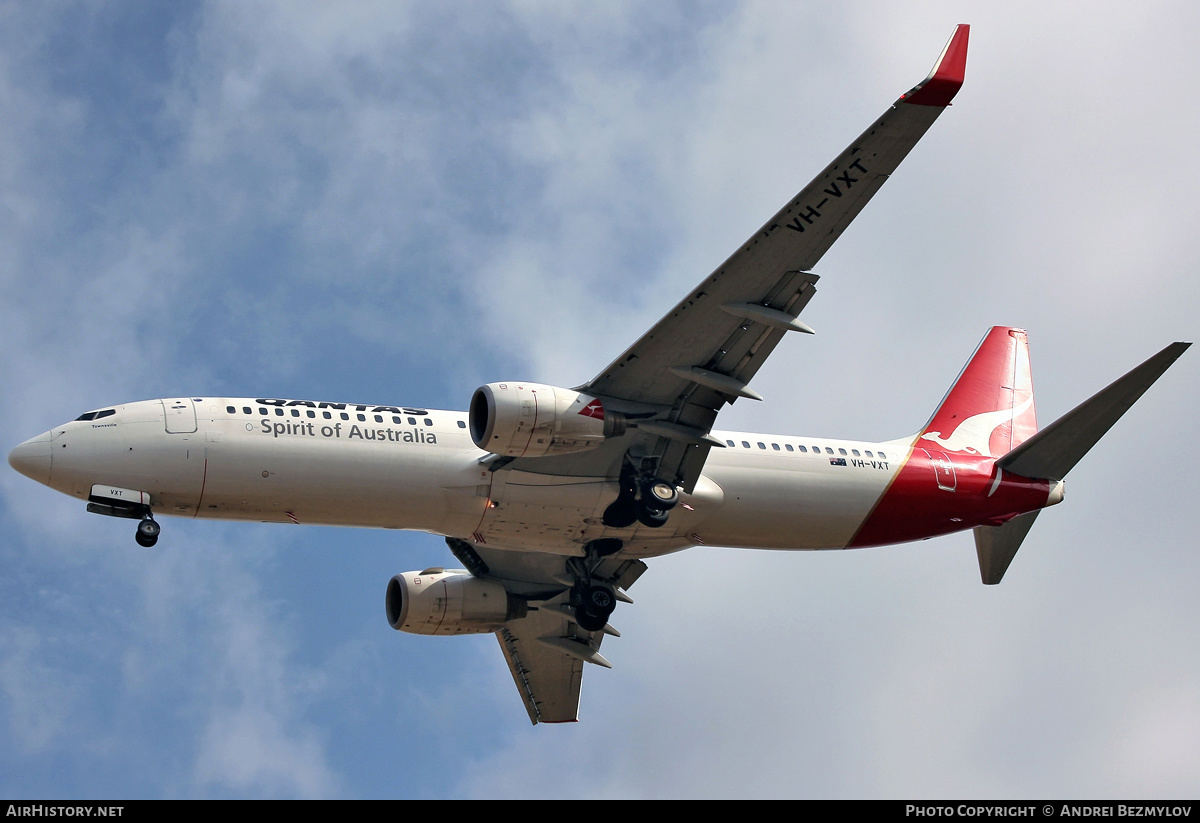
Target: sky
[(398, 202)]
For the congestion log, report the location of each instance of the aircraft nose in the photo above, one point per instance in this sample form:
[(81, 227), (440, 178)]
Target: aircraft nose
[(32, 458)]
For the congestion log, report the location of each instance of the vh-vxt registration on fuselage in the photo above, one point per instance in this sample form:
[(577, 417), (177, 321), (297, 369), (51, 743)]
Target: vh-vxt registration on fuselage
[(552, 498)]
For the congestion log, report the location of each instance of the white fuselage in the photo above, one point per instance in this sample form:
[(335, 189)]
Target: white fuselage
[(390, 467)]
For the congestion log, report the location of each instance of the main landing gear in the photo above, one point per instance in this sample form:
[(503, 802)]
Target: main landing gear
[(644, 498), (593, 600), (147, 531)]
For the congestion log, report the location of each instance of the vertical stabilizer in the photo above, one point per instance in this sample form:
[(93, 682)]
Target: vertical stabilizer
[(989, 410)]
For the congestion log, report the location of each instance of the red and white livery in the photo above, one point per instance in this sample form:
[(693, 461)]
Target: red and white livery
[(552, 499)]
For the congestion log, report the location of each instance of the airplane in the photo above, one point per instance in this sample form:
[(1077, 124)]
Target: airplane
[(552, 499)]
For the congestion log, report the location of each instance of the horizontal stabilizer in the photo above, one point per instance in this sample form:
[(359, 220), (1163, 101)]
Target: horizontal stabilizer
[(1055, 450), (997, 546)]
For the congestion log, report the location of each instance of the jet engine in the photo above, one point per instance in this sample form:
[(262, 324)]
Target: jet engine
[(533, 420), (437, 601)]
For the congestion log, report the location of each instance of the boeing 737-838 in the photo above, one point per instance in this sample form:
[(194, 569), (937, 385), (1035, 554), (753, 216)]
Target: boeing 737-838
[(552, 499)]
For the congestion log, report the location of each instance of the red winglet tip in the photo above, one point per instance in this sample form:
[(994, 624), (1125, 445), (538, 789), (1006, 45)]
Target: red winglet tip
[(939, 88)]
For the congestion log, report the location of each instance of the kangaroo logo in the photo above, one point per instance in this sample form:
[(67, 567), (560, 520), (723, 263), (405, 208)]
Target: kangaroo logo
[(975, 433)]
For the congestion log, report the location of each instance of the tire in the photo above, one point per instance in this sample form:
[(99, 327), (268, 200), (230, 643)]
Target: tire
[(599, 601), (651, 517), (661, 495), (589, 622), (147, 532)]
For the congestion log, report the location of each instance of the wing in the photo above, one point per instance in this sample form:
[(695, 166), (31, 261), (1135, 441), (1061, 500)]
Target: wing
[(705, 351), (546, 656), (546, 650), (672, 382)]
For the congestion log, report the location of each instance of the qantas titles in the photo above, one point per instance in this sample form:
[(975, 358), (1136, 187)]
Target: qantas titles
[(341, 406)]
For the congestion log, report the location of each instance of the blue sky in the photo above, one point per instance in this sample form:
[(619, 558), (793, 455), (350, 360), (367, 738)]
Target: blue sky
[(399, 202)]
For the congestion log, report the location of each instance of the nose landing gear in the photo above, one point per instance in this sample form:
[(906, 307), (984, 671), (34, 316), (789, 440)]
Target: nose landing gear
[(131, 504), (147, 531)]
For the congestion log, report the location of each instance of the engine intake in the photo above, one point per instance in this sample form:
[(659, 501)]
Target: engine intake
[(534, 420), (436, 601)]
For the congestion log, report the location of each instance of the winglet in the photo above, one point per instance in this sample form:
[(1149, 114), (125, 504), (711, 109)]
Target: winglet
[(939, 88)]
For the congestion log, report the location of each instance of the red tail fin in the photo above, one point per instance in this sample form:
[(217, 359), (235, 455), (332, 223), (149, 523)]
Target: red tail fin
[(989, 409)]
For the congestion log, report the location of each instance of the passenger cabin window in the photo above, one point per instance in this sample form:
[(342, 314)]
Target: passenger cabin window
[(344, 416), (247, 410), (775, 446), (804, 449), (842, 452), (279, 411), (855, 452), (462, 424), (745, 444), (788, 446), (362, 418), (762, 445), (326, 415), (379, 418), (869, 453), (295, 412), (395, 419), (231, 410), (730, 443), (428, 421), (828, 450), (882, 456), (262, 411)]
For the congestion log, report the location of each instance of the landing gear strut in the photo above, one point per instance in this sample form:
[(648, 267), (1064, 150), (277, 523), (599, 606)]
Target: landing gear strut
[(147, 531), (593, 600), (644, 498)]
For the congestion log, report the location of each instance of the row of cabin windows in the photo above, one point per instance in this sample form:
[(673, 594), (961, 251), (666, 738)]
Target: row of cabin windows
[(804, 449), (362, 418)]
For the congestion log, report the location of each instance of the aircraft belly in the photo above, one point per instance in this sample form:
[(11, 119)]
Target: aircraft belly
[(543, 512)]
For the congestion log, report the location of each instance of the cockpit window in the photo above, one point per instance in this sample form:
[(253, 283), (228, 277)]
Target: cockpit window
[(96, 415)]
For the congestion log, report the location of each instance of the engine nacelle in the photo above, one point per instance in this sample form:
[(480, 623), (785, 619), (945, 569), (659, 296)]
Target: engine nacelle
[(436, 601), (533, 420)]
